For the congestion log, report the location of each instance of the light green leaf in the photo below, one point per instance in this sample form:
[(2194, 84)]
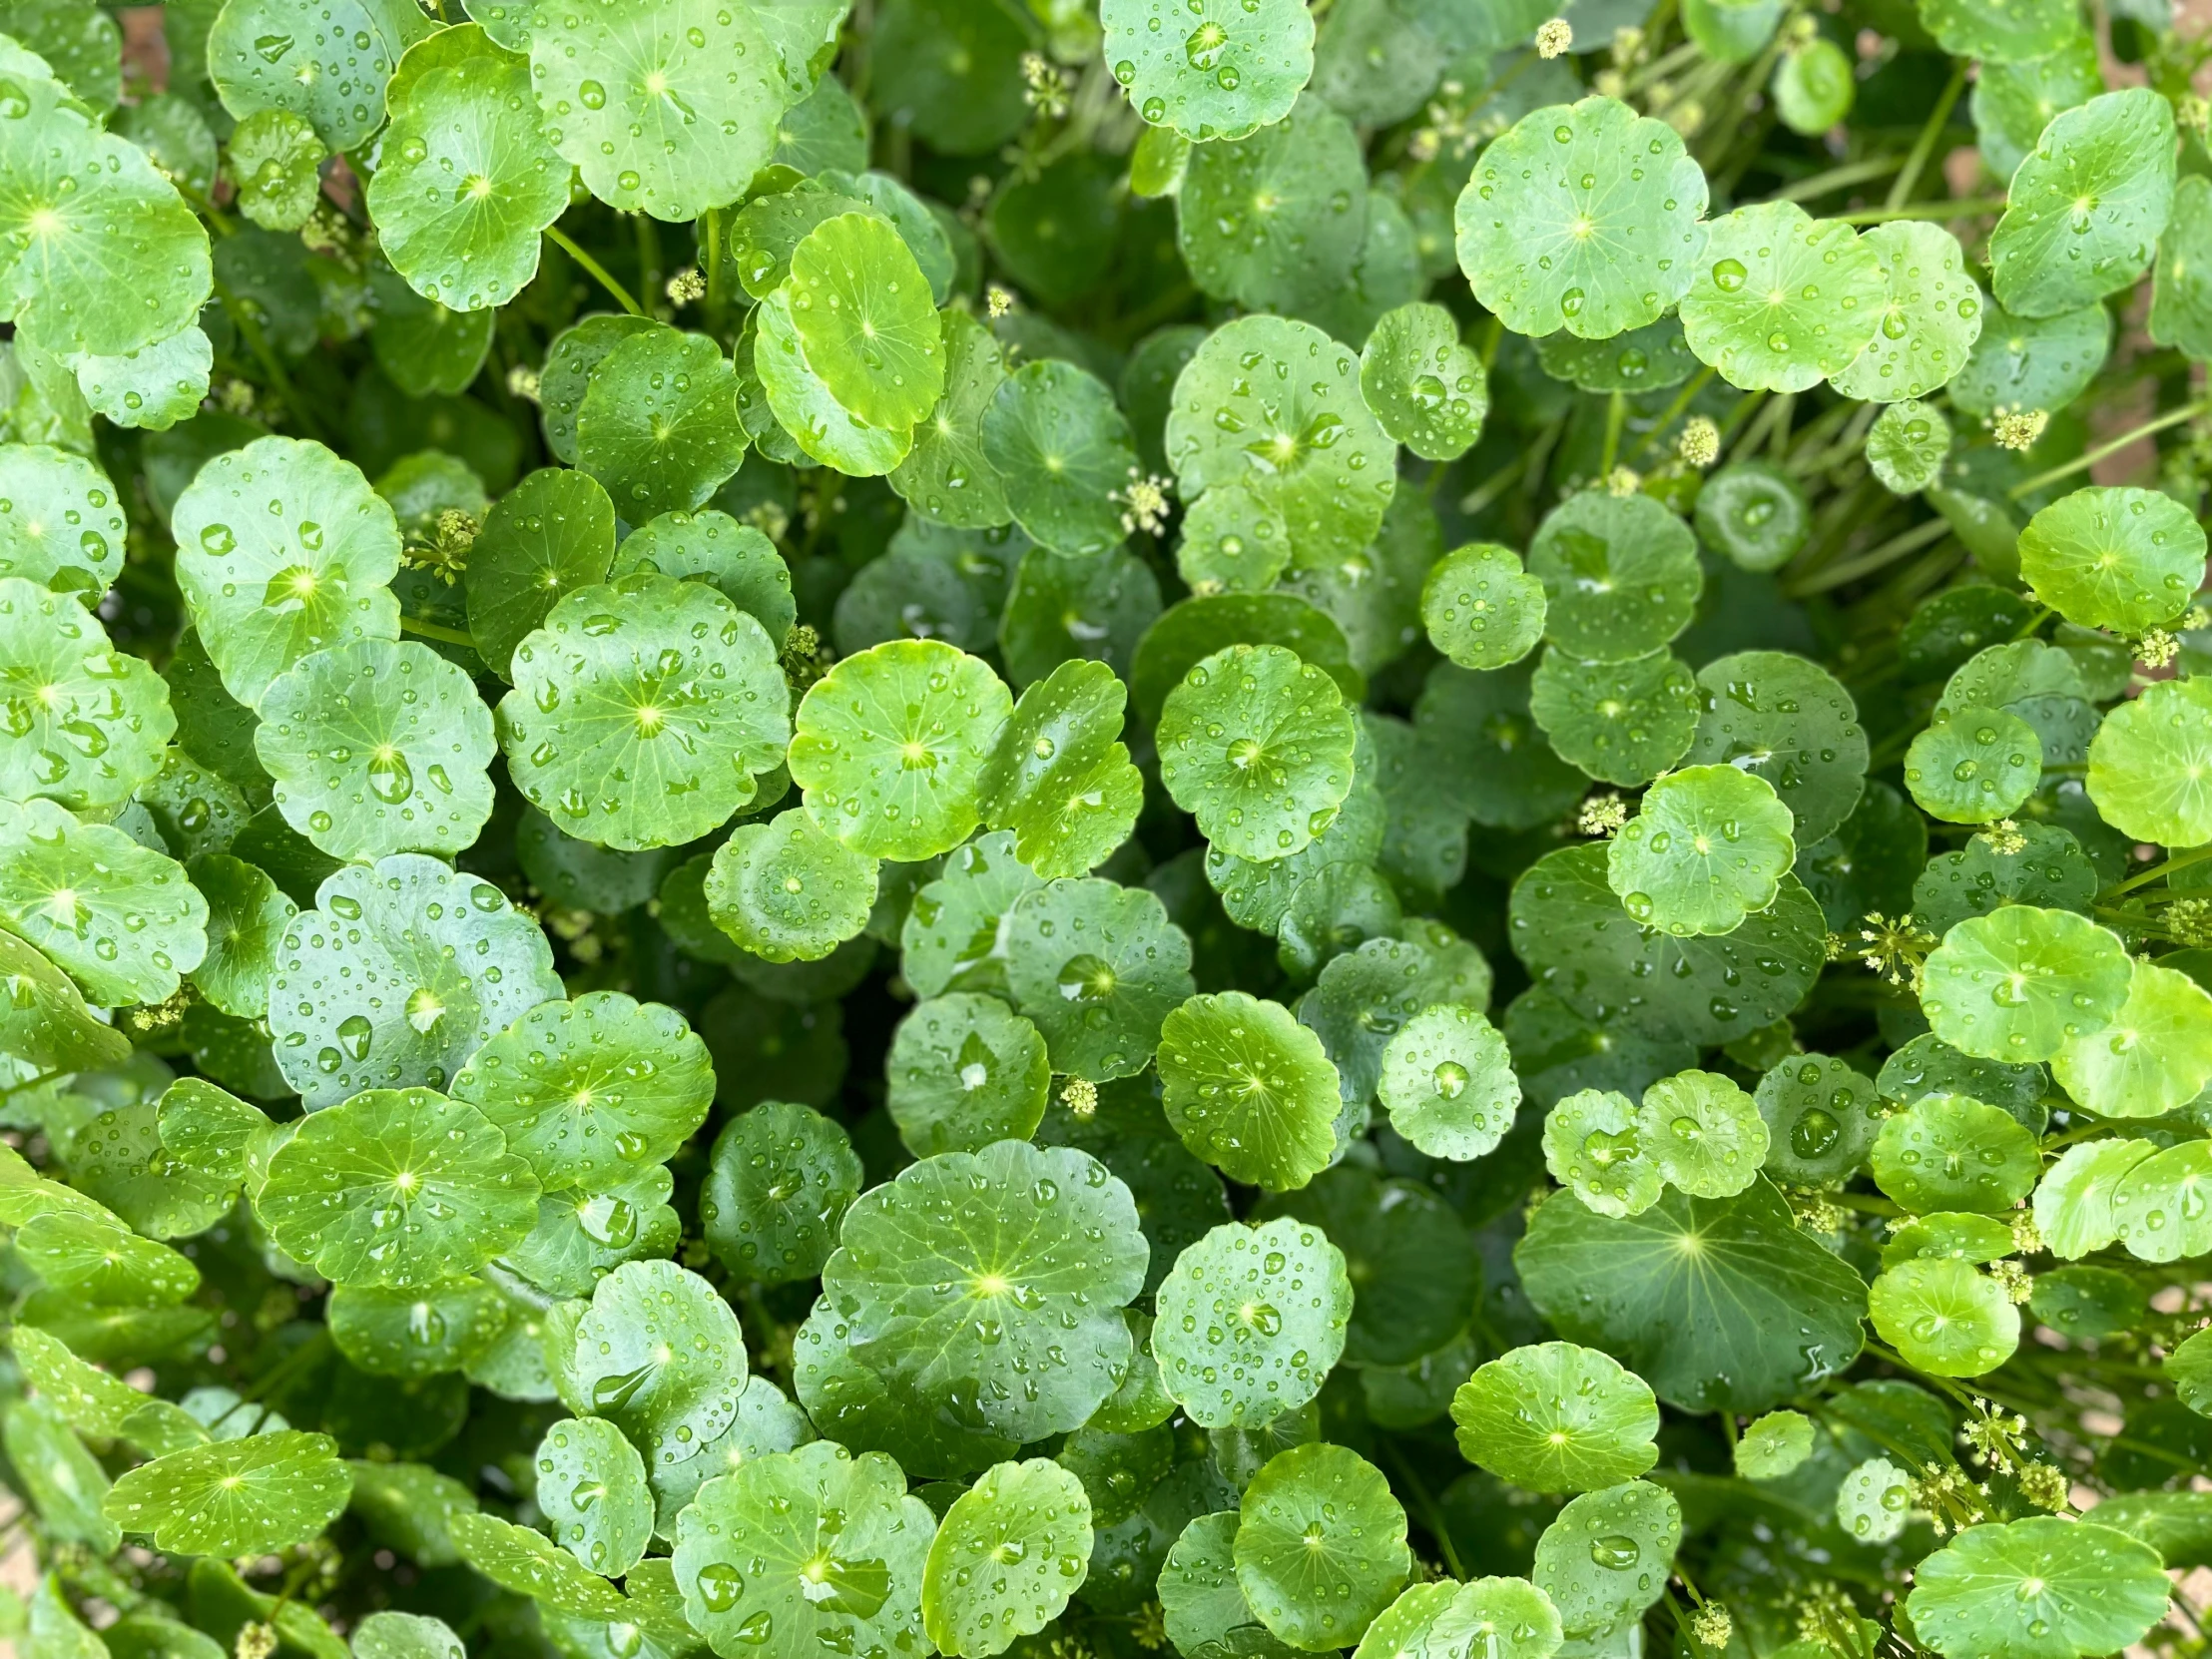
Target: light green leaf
[(282, 550), (890, 746), (1448, 1084), (2122, 559), (83, 724), (248, 914), (401, 972), (468, 180), (1006, 1556), (1041, 1249), (1275, 219), (667, 107), (862, 314), (1945, 1316), (1929, 322), (1602, 1560), (2040, 1588), (964, 1071), (2019, 983), (591, 1485), (1258, 745), (1587, 217), (591, 1091), (1555, 1417), (2149, 760), (659, 423), (123, 922), (1481, 608), (1251, 1320), (1780, 301), (1064, 457), (1427, 387), (2087, 208), (235, 1498), (531, 1565), (779, 1181), (1060, 779), (1249, 1089), (2154, 1057), (1214, 71), (660, 1355), (643, 713), (1485, 1618), (945, 474), (1320, 1549), (714, 548), (60, 523), (396, 1187), (2181, 283), (1096, 967), (786, 892), (1708, 845), (803, 405), (1594, 1144)]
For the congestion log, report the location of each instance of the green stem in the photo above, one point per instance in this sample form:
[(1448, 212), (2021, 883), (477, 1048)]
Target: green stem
[(1948, 208), (592, 267), (1897, 547), (2165, 866), (258, 342), (436, 631), (1836, 177), (1660, 68), (1616, 412), (1430, 1515), (2089, 458), (1901, 188), (710, 257)]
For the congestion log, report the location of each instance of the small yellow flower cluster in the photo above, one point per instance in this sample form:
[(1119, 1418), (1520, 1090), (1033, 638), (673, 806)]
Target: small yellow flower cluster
[(1700, 442), (1554, 39), (1601, 814), (2019, 429)]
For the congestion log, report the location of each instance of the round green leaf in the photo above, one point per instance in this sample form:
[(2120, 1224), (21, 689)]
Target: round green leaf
[(1060, 779), (802, 404), (644, 712), (1587, 217), (2021, 982), (1448, 1084), (1786, 720), (947, 474), (2124, 559), (659, 423), (378, 746), (1950, 1152), (2023, 362), (1973, 765), (1708, 845), (468, 179), (1062, 453), (779, 1181), (2181, 289), (1006, 1556), (1650, 359), (2087, 207), (2156, 1207), (1041, 1251), (123, 921), (282, 550), (788, 892), (154, 388), (951, 937), (1214, 71), (1624, 722), (551, 534), (331, 68), (891, 746), (1716, 1303), (714, 548), (870, 1411), (1704, 1134), (840, 1549), (416, 1332), (1775, 1448), (396, 1187), (1822, 1118), (684, 122), (1945, 1316), (2149, 762), (1555, 1417), (1275, 219), (1321, 1549), (1929, 321), (1908, 446), (1782, 301), (2041, 1588), (103, 1261), (398, 975), (1603, 1559), (2155, 1056), (1251, 1320), (864, 319), (1258, 745), (1594, 1144), (1096, 967), (964, 1071), (593, 1091), (1493, 1618), (591, 1485), (1754, 512), (530, 1564), (1292, 427), (83, 724), (1249, 1089), (60, 523), (1620, 575), (1481, 608), (1427, 388), (660, 1356), (249, 1496)]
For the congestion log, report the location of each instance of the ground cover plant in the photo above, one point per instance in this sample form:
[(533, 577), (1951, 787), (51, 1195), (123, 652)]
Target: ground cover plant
[(1184, 828)]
